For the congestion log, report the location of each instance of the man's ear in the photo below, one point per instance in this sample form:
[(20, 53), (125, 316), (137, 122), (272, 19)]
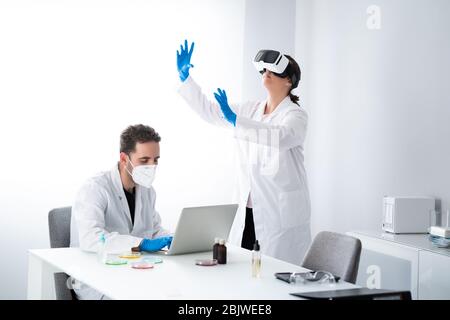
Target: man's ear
[(123, 158)]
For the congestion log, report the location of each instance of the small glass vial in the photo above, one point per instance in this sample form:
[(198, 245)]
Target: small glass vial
[(102, 254), (216, 248), (222, 252), (256, 260), (435, 219)]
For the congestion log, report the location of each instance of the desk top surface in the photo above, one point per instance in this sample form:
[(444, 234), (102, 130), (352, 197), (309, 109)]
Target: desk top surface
[(179, 278)]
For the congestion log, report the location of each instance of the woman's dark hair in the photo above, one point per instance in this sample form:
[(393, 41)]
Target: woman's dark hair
[(295, 70), (137, 133)]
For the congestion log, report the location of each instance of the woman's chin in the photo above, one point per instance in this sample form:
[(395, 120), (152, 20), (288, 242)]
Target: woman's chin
[(267, 84)]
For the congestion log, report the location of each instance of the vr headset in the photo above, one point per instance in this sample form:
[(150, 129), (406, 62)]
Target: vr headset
[(277, 63)]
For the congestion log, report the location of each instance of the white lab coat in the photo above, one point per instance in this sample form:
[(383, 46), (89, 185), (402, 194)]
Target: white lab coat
[(271, 169), (101, 207)]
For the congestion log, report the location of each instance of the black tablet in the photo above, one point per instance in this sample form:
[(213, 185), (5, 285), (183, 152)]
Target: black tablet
[(355, 294)]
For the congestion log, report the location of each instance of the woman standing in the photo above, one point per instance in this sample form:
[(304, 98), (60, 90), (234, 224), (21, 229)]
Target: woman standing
[(274, 205)]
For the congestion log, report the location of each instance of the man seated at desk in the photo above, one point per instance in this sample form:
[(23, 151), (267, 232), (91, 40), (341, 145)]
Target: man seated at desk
[(119, 205)]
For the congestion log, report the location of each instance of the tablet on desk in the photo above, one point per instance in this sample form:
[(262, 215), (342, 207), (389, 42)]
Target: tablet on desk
[(355, 294)]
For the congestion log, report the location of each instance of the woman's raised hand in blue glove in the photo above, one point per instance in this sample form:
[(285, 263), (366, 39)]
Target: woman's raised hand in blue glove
[(221, 98), (155, 244), (184, 60)]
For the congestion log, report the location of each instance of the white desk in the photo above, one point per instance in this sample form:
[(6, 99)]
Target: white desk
[(176, 278)]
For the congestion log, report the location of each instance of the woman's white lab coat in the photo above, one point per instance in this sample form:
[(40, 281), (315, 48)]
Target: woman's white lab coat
[(271, 167), (101, 207)]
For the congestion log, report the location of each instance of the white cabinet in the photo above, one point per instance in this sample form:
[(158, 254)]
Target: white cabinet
[(387, 265), (434, 275), (404, 262)]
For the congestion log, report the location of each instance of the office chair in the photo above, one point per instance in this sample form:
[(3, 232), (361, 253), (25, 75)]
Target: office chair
[(59, 232), (335, 253)]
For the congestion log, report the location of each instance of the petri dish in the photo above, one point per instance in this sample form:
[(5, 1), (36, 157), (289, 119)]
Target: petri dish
[(141, 265), (153, 260), (206, 262), (130, 255), (116, 262)]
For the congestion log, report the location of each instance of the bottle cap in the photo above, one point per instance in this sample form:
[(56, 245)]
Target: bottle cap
[(221, 241), (216, 240), (256, 246)]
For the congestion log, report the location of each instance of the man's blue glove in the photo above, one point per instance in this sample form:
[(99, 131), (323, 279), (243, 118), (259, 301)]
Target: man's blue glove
[(221, 98), (155, 244), (184, 60)]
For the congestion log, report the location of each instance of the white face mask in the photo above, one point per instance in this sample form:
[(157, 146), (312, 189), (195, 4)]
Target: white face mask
[(143, 175)]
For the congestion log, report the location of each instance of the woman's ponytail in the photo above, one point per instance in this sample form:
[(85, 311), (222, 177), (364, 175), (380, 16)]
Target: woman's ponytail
[(295, 75), (294, 98)]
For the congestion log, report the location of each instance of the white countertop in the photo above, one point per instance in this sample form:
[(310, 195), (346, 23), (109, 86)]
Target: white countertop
[(419, 241)]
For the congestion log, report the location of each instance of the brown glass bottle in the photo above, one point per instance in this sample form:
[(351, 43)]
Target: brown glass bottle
[(215, 248), (222, 252)]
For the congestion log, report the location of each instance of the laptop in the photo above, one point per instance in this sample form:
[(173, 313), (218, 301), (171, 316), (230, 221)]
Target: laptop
[(198, 226)]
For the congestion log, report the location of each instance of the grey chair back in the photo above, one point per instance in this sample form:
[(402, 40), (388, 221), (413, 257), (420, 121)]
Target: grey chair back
[(335, 253), (59, 232)]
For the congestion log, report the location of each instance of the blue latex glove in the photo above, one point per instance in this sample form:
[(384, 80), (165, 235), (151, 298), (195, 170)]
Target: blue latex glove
[(184, 60), (155, 244), (221, 98)]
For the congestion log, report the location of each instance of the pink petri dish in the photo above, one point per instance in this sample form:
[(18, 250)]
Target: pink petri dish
[(141, 265)]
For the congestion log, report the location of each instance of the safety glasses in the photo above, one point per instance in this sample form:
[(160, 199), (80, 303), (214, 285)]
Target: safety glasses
[(312, 277)]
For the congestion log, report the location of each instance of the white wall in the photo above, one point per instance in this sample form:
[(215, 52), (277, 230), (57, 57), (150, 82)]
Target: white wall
[(74, 74), (379, 106), (269, 24)]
